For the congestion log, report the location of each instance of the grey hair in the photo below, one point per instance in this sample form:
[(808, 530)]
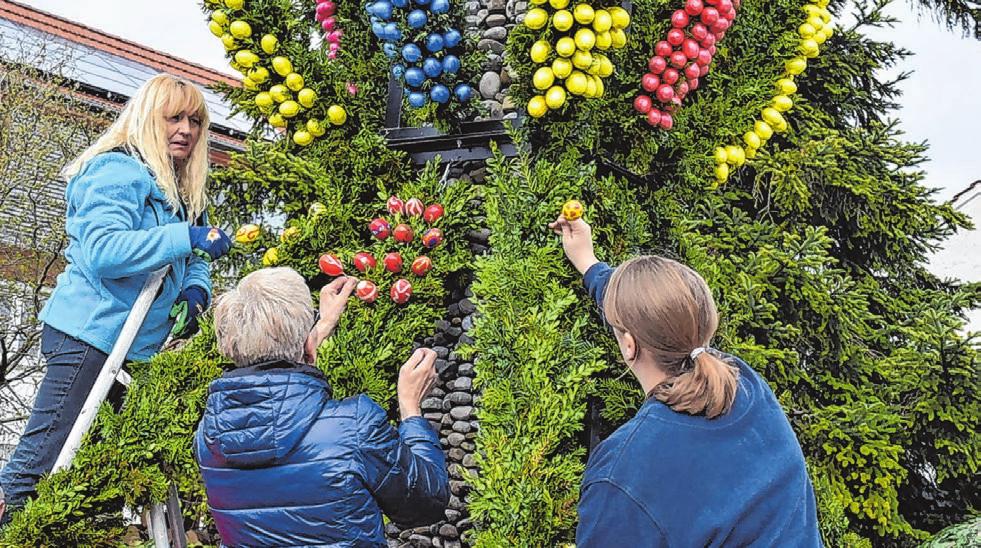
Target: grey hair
[(266, 317)]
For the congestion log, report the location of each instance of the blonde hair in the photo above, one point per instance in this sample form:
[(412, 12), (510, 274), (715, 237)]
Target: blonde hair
[(669, 310), (266, 317), (141, 128)]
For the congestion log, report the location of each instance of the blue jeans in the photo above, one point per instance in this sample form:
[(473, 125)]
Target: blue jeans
[(72, 367)]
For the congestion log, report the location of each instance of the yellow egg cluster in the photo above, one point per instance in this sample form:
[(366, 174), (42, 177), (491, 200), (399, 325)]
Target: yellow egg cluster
[(813, 33), (281, 93), (575, 64)]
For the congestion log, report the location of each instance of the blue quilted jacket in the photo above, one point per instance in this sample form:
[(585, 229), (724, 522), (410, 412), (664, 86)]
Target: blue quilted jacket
[(284, 464)]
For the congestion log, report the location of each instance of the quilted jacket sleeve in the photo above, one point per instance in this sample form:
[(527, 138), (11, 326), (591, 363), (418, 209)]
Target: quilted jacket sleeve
[(405, 470)]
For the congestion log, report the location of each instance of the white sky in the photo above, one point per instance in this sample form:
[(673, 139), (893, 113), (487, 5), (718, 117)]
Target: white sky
[(942, 103)]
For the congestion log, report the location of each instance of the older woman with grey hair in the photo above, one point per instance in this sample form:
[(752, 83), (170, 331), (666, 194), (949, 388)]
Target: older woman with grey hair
[(286, 464)]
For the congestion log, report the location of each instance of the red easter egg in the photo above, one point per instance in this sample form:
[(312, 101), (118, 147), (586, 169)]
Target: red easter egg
[(678, 59), (414, 207), (692, 72), (712, 50), (393, 262), (363, 261), (724, 6), (650, 82), (699, 31), (432, 213), (432, 238), (719, 28), (704, 58), (328, 24), (403, 233), (693, 7), (676, 37), (679, 19), (667, 122), (681, 90), (380, 228), (331, 265), (324, 11), (690, 48), (366, 291), (709, 16), (709, 41), (663, 49), (654, 117), (693, 83), (395, 205), (642, 104), (665, 93), (657, 64), (670, 76), (705, 70), (401, 291), (422, 265)]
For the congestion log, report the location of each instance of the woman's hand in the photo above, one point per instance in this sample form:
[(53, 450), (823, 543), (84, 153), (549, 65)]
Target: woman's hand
[(333, 300), (211, 240), (416, 378), (577, 240), (191, 303)]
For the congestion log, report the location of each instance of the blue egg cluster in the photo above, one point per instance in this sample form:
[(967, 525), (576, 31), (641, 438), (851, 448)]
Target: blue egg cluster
[(427, 68)]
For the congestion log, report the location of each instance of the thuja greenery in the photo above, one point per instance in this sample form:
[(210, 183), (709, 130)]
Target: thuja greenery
[(816, 253)]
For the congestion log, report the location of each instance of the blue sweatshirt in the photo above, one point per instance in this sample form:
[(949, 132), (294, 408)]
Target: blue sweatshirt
[(673, 479)]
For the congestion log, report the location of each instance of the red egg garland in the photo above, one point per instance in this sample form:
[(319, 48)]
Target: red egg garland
[(683, 58), (326, 9)]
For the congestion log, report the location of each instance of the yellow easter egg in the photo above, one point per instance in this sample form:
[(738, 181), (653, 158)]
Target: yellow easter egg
[(572, 210), (216, 28), (619, 38), (763, 129), (582, 59), (562, 20), (279, 93), (720, 155), (316, 128), (246, 234), (735, 155), (282, 66), (543, 78), (537, 107), (576, 83), (555, 97), (786, 86), (583, 13), (306, 97), (540, 50), (269, 44), (619, 17), (585, 39), (562, 68), (240, 29), (276, 120), (565, 47), (337, 115), (294, 81), (302, 138), (772, 117), (721, 172), (270, 257), (752, 140), (536, 18), (782, 103), (289, 109), (796, 65)]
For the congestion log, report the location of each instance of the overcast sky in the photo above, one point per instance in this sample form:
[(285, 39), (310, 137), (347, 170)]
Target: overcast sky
[(942, 103)]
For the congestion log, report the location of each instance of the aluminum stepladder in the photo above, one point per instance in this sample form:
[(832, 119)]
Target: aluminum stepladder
[(165, 518)]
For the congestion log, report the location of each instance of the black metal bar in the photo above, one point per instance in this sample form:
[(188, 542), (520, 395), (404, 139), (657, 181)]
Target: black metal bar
[(176, 519), (393, 110)]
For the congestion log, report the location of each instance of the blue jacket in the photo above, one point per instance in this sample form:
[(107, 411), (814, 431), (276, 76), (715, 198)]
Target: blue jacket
[(120, 228), (672, 479), (285, 465)]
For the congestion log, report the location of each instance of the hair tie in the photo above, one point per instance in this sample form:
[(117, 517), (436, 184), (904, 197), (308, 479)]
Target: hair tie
[(696, 352)]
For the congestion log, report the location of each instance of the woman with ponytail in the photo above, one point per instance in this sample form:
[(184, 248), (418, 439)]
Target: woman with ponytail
[(710, 458)]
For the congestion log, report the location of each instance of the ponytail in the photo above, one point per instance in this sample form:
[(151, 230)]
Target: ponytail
[(669, 310), (707, 388)]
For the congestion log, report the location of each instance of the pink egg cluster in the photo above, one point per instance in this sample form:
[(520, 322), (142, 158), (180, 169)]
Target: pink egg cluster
[(683, 58), (326, 11)]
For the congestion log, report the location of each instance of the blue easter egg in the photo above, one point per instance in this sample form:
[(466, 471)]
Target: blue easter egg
[(463, 92), (434, 42), (452, 38), (451, 64), (417, 99), (400, 3), (422, 2), (439, 6), (398, 70), (378, 30), (432, 67), (415, 77), (392, 32), (411, 53), (440, 94), (382, 9), (390, 50), (416, 19)]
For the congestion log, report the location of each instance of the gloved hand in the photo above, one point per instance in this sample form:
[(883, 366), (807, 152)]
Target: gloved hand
[(191, 303), (209, 241)]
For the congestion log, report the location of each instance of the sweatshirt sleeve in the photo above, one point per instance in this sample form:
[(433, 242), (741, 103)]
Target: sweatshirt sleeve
[(106, 204), (405, 470), (596, 280), (199, 270), (607, 512)]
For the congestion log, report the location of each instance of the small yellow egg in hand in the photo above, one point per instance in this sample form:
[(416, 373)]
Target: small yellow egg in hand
[(572, 210)]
